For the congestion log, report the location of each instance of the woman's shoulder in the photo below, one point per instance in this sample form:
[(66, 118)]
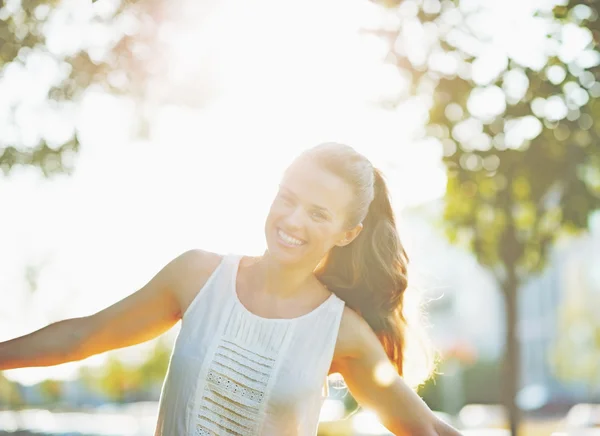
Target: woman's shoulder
[(194, 264), (353, 335), (199, 260), (191, 270), (351, 324)]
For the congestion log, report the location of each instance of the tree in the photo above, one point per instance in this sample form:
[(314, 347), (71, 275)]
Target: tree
[(121, 382), (51, 391), (122, 65), (90, 384), (11, 397), (516, 128), (118, 381), (154, 369), (10, 394)]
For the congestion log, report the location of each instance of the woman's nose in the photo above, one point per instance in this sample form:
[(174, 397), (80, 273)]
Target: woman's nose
[(296, 218)]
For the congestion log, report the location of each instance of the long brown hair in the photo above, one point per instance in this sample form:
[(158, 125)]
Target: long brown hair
[(369, 274)]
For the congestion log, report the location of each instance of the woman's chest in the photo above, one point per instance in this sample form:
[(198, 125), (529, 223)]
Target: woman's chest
[(238, 388), (262, 374)]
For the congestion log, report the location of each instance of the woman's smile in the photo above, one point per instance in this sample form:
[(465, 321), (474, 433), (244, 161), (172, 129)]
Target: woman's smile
[(289, 240)]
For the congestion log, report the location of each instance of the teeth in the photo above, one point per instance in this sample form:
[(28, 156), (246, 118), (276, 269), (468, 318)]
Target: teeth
[(289, 239)]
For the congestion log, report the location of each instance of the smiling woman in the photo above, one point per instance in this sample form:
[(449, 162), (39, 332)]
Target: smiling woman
[(260, 335)]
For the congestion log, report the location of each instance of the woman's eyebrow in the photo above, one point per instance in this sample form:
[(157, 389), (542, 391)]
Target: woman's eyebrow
[(316, 206)]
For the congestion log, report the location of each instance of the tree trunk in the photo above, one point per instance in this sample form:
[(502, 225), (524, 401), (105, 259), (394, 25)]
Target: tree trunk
[(512, 362)]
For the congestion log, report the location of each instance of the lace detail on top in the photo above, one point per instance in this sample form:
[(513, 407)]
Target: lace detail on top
[(237, 380)]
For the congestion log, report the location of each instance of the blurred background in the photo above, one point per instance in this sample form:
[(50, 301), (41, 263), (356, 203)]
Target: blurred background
[(131, 131)]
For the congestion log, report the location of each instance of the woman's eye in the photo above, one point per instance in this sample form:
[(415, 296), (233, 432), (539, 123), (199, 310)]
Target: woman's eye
[(285, 199), (319, 216)]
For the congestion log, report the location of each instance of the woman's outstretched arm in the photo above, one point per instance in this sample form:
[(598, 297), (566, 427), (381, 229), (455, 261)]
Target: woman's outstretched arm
[(141, 316), (48, 346), (372, 380)]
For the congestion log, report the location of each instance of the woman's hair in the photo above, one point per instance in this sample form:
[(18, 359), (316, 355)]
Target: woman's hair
[(370, 273)]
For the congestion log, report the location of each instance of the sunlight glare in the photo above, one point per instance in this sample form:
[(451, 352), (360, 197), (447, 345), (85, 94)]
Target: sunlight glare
[(384, 373), (206, 176), (367, 422)]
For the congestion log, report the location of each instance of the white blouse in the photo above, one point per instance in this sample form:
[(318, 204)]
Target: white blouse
[(235, 373)]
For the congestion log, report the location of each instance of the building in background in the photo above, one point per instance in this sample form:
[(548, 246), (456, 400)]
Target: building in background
[(560, 325), (464, 305)]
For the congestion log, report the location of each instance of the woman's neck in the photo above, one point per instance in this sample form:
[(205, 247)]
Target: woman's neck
[(286, 281)]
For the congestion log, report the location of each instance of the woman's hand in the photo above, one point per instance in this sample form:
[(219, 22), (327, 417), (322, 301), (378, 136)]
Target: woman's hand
[(373, 381)]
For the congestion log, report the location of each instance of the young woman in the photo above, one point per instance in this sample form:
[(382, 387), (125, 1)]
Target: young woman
[(260, 335)]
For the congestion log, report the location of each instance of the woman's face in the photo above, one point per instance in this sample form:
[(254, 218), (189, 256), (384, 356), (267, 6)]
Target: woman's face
[(309, 214)]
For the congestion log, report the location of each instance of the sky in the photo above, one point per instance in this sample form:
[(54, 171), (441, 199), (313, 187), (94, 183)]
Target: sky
[(206, 176)]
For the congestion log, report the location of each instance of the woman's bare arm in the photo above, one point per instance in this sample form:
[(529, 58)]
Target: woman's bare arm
[(141, 316), (45, 347), (359, 358)]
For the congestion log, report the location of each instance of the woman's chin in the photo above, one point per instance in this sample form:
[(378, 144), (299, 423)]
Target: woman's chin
[(285, 253)]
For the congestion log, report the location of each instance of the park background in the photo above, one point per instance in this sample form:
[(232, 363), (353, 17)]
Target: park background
[(131, 131)]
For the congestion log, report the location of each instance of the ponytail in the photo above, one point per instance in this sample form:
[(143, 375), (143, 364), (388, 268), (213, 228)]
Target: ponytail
[(370, 273)]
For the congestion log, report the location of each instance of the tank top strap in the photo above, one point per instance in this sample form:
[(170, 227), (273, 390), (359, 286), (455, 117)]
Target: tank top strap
[(215, 293)]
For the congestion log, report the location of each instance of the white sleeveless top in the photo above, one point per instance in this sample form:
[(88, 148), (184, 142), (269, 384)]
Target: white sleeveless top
[(235, 373)]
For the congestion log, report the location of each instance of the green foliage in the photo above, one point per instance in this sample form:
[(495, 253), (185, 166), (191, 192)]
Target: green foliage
[(89, 379), (10, 395), (519, 141), (154, 368), (121, 382), (432, 394), (118, 380), (51, 391), (481, 383), (25, 27)]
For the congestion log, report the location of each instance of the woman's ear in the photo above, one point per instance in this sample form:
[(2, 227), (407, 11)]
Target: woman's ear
[(350, 235)]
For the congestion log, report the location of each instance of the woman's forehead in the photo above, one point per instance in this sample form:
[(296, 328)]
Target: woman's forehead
[(316, 185)]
